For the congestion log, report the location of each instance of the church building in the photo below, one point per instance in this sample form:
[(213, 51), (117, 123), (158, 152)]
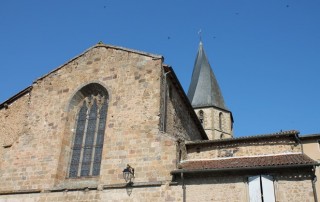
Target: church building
[(114, 124)]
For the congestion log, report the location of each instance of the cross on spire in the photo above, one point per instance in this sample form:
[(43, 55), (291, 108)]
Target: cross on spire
[(200, 35)]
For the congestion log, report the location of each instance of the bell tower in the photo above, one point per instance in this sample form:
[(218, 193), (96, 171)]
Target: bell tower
[(206, 98)]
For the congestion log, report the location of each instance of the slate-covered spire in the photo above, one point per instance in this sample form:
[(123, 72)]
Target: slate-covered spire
[(204, 90)]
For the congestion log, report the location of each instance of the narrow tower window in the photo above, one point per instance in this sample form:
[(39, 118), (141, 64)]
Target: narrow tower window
[(220, 120), (201, 117)]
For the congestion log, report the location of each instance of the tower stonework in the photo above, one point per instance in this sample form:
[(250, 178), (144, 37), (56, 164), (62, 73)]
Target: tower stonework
[(206, 98), (217, 123)]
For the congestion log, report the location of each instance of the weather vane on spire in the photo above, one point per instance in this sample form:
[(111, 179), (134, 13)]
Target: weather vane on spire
[(200, 35)]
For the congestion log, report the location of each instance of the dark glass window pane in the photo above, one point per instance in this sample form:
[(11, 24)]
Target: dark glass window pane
[(97, 155), (86, 163), (74, 165), (73, 173), (85, 169), (97, 161), (100, 138), (92, 122), (102, 123), (78, 141), (81, 123), (103, 111), (96, 169)]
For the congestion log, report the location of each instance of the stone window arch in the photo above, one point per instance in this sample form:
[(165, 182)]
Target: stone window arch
[(90, 104)]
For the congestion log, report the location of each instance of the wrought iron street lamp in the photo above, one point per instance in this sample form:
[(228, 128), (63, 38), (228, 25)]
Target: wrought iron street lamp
[(128, 173)]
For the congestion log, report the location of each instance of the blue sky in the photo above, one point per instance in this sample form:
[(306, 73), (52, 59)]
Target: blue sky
[(265, 54)]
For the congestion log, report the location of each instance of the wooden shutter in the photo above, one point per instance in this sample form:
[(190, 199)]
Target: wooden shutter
[(268, 188), (254, 189)]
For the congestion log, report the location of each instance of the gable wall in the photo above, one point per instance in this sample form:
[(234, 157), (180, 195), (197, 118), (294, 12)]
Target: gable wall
[(40, 157)]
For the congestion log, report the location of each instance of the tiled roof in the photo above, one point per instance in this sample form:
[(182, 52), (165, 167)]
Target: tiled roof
[(250, 162), (311, 136)]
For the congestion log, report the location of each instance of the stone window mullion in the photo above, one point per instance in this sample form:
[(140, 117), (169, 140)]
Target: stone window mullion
[(78, 141), (100, 138)]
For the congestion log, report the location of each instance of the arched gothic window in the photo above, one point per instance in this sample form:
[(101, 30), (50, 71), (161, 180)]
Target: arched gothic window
[(220, 120), (89, 132)]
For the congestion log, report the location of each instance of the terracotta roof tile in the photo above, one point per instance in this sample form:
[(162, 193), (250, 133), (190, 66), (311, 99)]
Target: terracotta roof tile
[(249, 162)]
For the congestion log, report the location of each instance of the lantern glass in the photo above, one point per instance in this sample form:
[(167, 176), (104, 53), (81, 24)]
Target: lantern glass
[(128, 174)]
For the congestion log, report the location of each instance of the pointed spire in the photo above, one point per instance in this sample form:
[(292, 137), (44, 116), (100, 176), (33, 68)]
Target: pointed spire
[(204, 90)]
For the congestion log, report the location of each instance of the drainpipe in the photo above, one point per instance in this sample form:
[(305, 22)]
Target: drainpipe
[(183, 189), (314, 180), (296, 136), (164, 116)]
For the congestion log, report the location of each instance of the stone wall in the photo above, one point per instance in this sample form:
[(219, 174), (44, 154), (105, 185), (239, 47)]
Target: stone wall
[(39, 158), (220, 189), (298, 188), (238, 149), (223, 188), (13, 121), (138, 194), (201, 188)]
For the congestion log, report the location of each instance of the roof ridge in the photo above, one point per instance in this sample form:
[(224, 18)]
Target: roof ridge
[(99, 44), (282, 133)]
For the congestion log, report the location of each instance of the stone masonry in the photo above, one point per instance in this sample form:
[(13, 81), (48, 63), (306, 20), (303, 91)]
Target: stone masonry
[(262, 147), (211, 123), (37, 128)]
